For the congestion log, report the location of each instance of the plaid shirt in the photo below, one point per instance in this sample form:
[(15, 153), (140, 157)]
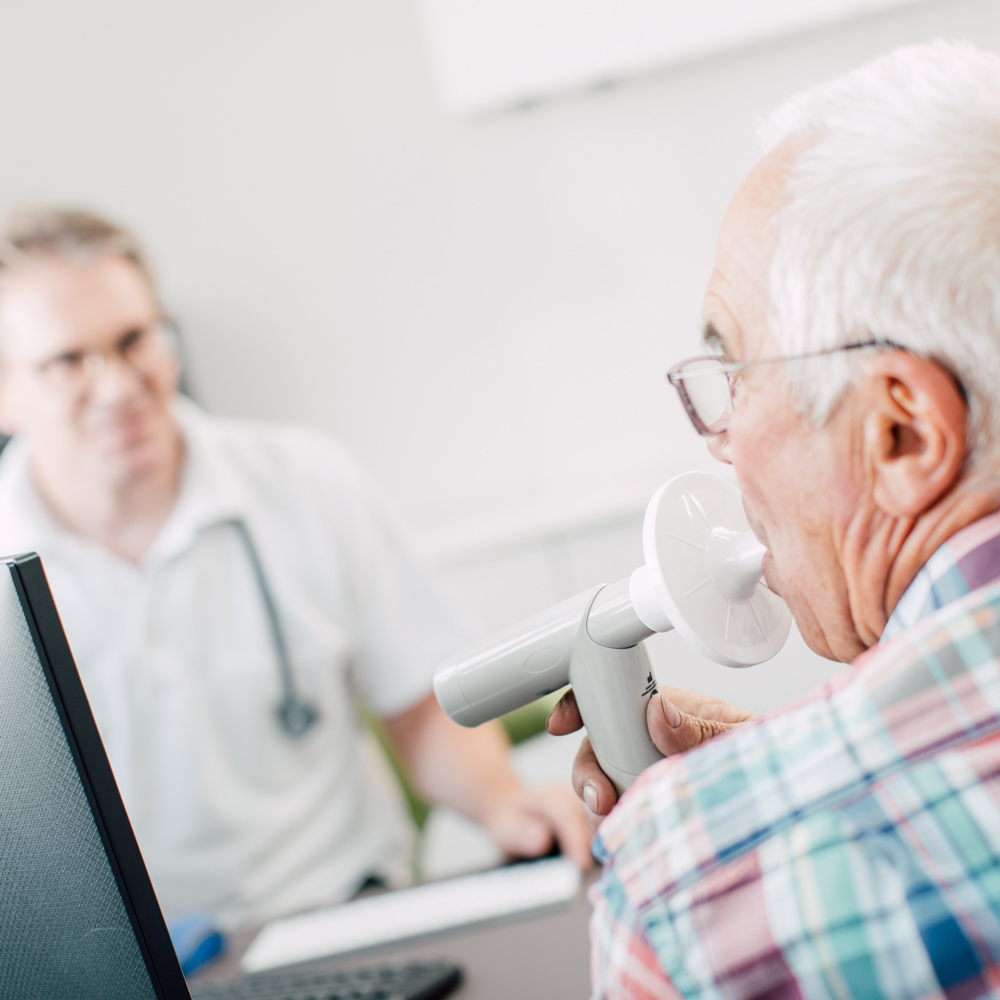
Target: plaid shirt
[(846, 847)]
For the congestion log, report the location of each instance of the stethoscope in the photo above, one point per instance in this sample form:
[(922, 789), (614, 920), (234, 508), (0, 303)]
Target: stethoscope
[(296, 714)]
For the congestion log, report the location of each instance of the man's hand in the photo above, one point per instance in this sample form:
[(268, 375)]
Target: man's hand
[(677, 720), (529, 821)]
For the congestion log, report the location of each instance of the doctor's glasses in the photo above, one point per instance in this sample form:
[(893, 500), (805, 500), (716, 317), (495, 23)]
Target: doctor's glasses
[(145, 349)]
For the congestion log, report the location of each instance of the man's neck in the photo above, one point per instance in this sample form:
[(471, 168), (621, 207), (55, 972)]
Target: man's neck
[(124, 516)]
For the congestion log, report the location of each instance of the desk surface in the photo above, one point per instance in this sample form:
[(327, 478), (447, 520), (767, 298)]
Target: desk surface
[(543, 955)]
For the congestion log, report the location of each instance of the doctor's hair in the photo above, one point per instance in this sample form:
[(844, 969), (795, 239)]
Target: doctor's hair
[(68, 234), (888, 226)]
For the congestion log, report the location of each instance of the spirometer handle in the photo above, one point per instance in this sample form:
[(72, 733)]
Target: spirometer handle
[(613, 687)]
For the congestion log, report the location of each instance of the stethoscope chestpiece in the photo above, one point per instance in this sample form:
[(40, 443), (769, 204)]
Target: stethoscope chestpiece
[(296, 716)]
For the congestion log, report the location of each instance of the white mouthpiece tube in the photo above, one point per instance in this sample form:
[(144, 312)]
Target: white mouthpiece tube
[(646, 591), (734, 562), (613, 621)]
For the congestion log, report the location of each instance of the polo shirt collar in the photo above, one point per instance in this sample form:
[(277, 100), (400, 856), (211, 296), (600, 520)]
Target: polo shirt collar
[(970, 559), (210, 493), (25, 514)]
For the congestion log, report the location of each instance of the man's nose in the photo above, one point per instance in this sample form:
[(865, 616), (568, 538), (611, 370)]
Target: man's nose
[(110, 376)]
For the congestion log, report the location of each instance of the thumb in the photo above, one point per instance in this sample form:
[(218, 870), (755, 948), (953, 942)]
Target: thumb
[(674, 731)]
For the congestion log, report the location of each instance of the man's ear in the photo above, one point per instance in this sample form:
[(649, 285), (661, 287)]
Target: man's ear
[(914, 432)]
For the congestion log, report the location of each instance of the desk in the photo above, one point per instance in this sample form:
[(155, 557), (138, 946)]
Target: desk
[(538, 956)]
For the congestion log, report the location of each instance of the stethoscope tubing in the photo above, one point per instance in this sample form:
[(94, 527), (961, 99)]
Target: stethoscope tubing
[(296, 715)]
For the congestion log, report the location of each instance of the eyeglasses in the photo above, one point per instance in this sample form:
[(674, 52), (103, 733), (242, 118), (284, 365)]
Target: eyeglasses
[(144, 349), (708, 385)]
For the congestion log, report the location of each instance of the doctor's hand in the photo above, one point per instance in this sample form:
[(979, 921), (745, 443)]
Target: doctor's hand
[(677, 720), (526, 823), (469, 770)]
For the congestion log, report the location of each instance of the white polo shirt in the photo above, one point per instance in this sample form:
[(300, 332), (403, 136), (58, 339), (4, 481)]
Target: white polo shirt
[(234, 817)]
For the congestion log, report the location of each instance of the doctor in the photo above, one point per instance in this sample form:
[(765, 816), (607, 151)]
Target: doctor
[(230, 592)]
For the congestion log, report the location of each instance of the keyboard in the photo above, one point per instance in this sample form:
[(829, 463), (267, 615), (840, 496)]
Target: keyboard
[(403, 981), (406, 913)]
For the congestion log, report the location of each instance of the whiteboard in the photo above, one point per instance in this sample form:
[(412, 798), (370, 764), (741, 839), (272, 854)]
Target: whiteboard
[(488, 54)]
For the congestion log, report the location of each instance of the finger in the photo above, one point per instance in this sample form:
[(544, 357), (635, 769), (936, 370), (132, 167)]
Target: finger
[(592, 785), (564, 813), (565, 717), (522, 832), (674, 731), (704, 705)]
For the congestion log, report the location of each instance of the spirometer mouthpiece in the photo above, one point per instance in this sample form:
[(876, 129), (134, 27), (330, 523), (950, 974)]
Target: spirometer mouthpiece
[(702, 573), (734, 560)]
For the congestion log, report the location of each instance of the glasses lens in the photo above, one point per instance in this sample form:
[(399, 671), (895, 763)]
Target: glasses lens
[(147, 348), (168, 337), (707, 388), (65, 374)]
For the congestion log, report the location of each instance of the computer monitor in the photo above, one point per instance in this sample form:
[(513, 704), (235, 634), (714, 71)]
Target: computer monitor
[(78, 916)]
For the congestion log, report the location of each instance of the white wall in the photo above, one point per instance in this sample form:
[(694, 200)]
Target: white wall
[(482, 310), (490, 56)]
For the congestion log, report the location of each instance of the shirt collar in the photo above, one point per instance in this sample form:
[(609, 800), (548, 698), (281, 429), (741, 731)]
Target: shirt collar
[(970, 559), (209, 494), (26, 516)]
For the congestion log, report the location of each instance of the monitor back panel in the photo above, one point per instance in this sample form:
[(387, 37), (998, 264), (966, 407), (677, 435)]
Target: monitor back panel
[(64, 927)]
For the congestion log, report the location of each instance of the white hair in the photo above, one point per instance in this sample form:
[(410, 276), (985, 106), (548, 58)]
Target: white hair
[(889, 226)]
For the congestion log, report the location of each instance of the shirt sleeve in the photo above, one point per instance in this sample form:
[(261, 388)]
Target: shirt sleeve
[(405, 622)]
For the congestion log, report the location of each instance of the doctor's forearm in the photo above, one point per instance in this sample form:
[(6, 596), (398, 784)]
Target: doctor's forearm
[(466, 769)]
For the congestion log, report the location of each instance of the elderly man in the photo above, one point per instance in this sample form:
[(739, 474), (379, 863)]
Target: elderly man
[(229, 590), (849, 845)]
